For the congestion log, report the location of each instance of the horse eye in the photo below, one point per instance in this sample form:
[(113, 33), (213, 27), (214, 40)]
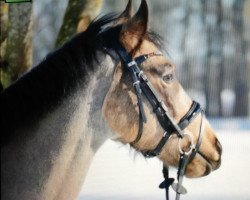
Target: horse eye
[(168, 77)]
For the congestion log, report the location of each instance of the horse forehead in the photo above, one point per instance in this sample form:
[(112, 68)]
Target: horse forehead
[(147, 47)]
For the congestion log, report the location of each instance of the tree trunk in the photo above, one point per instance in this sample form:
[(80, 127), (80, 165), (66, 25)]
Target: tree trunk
[(247, 40), (77, 17), (241, 87), (213, 80), (17, 56), (4, 9)]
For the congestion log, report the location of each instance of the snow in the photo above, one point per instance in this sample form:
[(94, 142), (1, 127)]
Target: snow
[(118, 173)]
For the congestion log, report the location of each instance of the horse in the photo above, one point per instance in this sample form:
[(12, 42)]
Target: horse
[(55, 117)]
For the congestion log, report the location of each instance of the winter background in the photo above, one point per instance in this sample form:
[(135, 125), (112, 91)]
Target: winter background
[(117, 173), (209, 41)]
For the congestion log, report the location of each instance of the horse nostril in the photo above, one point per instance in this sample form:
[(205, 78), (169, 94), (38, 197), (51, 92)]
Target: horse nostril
[(218, 146), (207, 171)]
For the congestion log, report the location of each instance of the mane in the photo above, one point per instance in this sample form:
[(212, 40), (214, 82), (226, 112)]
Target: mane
[(46, 85), (42, 89)]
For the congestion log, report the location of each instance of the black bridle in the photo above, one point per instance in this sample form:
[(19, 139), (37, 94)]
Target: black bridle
[(143, 87)]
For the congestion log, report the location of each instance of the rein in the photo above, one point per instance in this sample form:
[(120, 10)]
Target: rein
[(143, 86)]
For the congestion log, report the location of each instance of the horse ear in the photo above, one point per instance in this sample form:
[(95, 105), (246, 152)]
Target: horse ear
[(135, 29), (127, 13)]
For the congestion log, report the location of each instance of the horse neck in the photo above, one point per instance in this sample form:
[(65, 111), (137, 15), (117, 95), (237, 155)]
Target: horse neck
[(55, 160)]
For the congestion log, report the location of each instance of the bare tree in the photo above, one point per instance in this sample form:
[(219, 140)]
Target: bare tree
[(247, 40), (77, 17), (16, 34), (241, 87), (16, 42), (213, 74)]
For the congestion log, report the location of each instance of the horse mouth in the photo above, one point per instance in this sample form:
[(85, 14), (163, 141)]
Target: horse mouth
[(211, 165)]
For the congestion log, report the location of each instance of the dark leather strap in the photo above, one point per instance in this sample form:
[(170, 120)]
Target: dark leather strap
[(190, 116), (140, 131), (199, 141), (167, 181), (134, 70), (194, 110), (159, 108), (158, 148)]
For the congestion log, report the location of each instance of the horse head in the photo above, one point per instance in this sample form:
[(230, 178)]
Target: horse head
[(122, 112)]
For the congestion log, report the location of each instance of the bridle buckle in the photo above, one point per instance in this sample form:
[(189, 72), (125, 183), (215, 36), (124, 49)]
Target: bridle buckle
[(191, 147)]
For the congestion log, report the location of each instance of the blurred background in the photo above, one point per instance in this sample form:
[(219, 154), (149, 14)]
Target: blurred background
[(208, 40)]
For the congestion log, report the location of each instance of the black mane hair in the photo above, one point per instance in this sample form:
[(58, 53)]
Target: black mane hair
[(44, 87)]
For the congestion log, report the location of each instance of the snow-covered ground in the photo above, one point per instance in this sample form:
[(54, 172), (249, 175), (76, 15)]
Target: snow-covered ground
[(119, 173)]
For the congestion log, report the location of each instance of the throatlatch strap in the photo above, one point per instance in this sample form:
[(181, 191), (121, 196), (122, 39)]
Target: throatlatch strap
[(140, 131)]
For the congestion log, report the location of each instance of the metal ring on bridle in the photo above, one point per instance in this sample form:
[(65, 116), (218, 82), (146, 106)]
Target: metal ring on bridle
[(192, 145)]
